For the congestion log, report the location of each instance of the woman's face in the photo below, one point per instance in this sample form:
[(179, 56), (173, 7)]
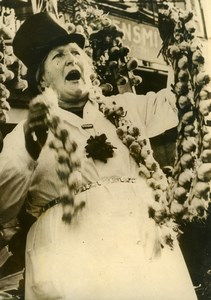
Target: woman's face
[(67, 71)]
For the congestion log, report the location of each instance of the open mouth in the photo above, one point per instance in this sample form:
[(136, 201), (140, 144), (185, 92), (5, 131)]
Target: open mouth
[(73, 75)]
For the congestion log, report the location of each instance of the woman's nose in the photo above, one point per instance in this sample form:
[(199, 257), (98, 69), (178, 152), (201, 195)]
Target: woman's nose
[(70, 59)]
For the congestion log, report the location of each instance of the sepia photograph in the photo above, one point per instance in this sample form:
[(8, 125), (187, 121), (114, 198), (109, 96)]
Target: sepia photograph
[(105, 150)]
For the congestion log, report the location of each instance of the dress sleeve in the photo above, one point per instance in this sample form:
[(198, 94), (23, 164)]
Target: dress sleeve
[(156, 112), (160, 112), (16, 170)]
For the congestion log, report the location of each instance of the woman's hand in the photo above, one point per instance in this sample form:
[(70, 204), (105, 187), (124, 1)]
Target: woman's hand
[(36, 128)]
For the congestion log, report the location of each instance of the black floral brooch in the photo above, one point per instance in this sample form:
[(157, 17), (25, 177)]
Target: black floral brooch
[(98, 148)]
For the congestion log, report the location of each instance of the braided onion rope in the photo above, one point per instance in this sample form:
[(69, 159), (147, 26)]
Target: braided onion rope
[(68, 163), (190, 193), (139, 148)]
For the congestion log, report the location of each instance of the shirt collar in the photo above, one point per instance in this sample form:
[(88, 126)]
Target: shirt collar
[(91, 112)]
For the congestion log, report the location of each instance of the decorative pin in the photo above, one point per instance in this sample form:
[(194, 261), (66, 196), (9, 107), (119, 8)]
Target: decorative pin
[(87, 126)]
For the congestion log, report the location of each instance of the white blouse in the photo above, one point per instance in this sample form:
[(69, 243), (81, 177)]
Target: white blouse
[(20, 173)]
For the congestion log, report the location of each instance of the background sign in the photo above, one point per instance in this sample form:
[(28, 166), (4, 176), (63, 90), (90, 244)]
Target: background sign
[(143, 40)]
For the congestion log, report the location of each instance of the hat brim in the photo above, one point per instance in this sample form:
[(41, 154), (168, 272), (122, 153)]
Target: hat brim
[(77, 38), (42, 52)]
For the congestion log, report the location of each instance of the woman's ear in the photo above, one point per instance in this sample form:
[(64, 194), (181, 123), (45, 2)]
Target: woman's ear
[(42, 84)]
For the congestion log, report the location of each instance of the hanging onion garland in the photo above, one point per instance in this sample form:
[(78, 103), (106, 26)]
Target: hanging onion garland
[(139, 148), (7, 59), (68, 163), (5, 76), (182, 49)]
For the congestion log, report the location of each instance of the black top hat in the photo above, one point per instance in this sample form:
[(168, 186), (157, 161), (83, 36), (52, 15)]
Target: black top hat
[(38, 35)]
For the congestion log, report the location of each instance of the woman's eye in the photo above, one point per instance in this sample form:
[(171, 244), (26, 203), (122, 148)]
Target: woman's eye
[(75, 53), (61, 54), (58, 55)]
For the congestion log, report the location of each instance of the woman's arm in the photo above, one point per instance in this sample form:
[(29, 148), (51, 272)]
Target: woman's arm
[(16, 170), (160, 113), (21, 149), (154, 111)]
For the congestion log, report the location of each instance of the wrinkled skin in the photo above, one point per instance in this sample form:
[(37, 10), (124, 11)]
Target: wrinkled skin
[(67, 72)]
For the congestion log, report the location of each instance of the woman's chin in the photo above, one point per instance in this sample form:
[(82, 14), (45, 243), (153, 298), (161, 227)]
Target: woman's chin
[(76, 98), (77, 91)]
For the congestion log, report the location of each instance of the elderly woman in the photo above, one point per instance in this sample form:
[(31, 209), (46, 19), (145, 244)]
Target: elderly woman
[(110, 248)]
